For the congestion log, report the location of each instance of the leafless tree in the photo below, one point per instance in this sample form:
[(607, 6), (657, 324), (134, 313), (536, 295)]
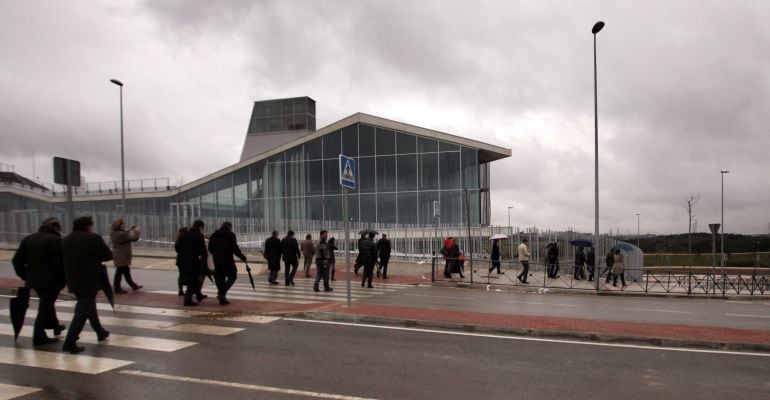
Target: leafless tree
[(691, 200)]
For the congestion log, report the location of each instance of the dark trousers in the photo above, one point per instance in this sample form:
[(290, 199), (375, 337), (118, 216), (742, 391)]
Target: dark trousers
[(194, 286), (622, 279), (321, 272), (524, 273), (85, 309), (384, 266), (46, 313), (495, 265), (368, 274), (590, 272), (553, 270), (578, 273), (608, 270), (291, 270), (224, 279), (308, 265), (446, 269), (123, 271)]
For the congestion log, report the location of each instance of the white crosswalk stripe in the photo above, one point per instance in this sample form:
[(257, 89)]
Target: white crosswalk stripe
[(49, 357), (148, 324), (8, 392), (303, 292)]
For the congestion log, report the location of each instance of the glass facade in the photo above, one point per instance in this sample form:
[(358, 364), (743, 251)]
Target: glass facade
[(400, 175), (282, 115)]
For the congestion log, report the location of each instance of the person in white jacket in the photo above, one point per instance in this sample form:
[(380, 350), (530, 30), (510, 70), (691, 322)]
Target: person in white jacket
[(524, 260)]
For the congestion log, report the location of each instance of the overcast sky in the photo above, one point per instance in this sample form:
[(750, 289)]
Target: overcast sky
[(684, 92)]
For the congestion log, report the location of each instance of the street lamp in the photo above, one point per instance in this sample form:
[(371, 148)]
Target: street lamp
[(122, 160), (723, 219), (509, 215), (597, 27), (637, 231)]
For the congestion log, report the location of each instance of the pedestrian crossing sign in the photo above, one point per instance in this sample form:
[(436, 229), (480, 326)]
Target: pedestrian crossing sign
[(347, 172)]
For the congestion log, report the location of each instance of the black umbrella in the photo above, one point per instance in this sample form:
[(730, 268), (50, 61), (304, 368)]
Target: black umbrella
[(106, 286), (251, 278), (19, 305), (368, 231), (582, 243)]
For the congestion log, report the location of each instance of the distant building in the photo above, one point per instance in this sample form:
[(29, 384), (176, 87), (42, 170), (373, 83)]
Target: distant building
[(288, 176)]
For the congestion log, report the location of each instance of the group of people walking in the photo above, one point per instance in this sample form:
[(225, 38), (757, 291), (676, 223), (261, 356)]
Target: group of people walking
[(48, 263)]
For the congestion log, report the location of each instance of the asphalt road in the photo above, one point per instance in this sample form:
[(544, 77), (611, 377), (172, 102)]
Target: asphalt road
[(292, 359)]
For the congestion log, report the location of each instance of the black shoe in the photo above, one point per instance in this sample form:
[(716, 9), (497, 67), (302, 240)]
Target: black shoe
[(58, 330), (119, 291), (328, 289), (363, 284), (370, 286), (292, 283), (385, 277), (378, 273), (190, 304), (315, 289), (44, 341), (273, 283), (222, 301), (102, 336), (500, 273), (334, 279), (72, 349), (200, 297), (136, 287)]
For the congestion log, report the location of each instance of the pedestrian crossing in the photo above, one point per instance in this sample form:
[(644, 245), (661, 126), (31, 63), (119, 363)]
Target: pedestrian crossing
[(303, 292), (135, 318)]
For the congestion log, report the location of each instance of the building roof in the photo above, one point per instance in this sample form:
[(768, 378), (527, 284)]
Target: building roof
[(487, 152)]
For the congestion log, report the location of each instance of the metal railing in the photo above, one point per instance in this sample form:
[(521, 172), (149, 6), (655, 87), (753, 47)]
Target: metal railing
[(96, 188), (685, 281)]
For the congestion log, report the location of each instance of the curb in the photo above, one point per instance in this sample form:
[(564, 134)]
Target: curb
[(535, 333)]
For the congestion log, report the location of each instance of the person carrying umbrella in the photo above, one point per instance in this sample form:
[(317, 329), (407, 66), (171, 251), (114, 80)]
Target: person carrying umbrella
[(38, 261), (84, 252), (580, 263), (495, 257), (368, 253), (193, 261), (222, 246)]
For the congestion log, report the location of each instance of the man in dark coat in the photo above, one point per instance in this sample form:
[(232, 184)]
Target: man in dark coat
[(323, 257), (291, 255), (495, 257), (223, 245), (273, 256), (358, 263), (38, 261), (591, 262), (84, 252), (368, 253), (580, 262), (193, 261), (383, 249)]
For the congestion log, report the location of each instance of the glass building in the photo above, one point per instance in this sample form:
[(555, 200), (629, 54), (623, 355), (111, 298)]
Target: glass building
[(288, 176)]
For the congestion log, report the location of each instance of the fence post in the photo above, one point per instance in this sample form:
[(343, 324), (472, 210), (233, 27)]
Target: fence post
[(433, 267)]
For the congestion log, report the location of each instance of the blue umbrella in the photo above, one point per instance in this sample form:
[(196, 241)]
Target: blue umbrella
[(623, 247), (582, 243)]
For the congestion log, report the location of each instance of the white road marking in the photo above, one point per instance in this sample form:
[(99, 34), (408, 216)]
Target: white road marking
[(542, 304), (652, 310), (530, 339), (244, 386), (748, 315), (8, 392), (738, 302), (140, 310), (438, 297), (258, 298), (150, 324), (133, 342), (252, 319), (59, 361)]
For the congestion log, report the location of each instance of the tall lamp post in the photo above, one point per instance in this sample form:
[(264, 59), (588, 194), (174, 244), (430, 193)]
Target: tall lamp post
[(723, 220), (509, 215), (597, 27), (637, 231), (122, 160)]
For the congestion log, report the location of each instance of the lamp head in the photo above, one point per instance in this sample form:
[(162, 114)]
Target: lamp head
[(725, 172), (597, 27), (117, 82)]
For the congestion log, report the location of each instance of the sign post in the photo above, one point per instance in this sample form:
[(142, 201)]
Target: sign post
[(348, 182), (67, 172)]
